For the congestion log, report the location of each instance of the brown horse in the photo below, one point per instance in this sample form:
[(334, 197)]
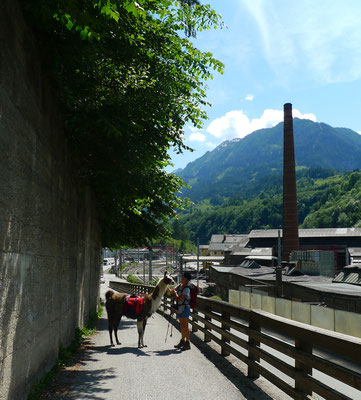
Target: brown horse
[(116, 308)]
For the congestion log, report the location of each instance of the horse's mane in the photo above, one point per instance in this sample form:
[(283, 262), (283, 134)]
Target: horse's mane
[(155, 292)]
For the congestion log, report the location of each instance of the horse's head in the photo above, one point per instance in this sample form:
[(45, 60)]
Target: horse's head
[(168, 280)]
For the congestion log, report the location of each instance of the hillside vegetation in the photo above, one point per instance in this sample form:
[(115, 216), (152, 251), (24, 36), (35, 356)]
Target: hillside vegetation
[(237, 187), (245, 167), (325, 199)]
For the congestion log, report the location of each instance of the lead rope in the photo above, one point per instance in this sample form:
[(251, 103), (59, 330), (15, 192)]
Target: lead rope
[(171, 329)]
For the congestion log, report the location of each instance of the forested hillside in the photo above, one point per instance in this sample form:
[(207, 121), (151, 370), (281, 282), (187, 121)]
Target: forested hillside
[(246, 166), (325, 199)]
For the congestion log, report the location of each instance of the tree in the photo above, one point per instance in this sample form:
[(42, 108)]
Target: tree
[(128, 82)]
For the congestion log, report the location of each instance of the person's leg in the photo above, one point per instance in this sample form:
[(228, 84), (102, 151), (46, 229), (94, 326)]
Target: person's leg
[(185, 333), (184, 327)]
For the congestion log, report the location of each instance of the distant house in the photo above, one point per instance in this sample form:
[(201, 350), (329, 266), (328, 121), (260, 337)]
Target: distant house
[(203, 250), (219, 244)]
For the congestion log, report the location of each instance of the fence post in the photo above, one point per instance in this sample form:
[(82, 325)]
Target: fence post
[(300, 384), (226, 318), (252, 351), (194, 319), (206, 336)]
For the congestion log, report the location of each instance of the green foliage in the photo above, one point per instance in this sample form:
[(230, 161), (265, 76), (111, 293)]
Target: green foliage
[(154, 282), (133, 279), (325, 201), (337, 204), (128, 82)]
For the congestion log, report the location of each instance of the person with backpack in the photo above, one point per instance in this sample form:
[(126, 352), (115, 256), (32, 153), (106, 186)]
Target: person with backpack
[(182, 293)]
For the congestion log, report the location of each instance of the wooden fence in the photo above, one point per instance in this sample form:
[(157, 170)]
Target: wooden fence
[(262, 335)]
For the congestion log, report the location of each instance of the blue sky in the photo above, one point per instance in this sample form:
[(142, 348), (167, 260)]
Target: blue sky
[(305, 52)]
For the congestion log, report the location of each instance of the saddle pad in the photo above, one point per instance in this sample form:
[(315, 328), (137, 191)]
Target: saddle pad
[(134, 304)]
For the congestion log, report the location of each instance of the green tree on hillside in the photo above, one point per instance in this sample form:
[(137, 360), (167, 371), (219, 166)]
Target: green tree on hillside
[(325, 201)]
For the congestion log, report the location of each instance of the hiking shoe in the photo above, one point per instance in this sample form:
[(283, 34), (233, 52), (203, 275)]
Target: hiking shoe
[(180, 344), (186, 346)]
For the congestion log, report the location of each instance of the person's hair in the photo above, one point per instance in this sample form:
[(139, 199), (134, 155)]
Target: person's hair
[(187, 276)]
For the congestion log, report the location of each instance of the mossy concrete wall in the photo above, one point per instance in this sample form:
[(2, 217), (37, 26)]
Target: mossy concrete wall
[(49, 233)]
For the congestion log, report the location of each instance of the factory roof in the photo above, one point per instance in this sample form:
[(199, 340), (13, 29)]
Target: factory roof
[(321, 283), (320, 232)]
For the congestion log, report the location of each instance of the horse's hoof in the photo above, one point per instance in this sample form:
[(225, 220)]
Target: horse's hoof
[(112, 345)]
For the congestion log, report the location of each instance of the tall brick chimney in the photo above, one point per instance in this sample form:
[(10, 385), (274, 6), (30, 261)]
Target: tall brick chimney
[(290, 215)]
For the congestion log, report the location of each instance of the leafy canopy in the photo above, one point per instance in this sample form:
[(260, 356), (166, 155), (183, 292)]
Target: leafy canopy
[(128, 79)]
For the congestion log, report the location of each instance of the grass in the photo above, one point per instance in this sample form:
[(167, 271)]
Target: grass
[(133, 279), (65, 355)]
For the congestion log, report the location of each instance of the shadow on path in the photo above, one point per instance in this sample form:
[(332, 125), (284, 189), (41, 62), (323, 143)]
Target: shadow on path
[(233, 374), (87, 382)]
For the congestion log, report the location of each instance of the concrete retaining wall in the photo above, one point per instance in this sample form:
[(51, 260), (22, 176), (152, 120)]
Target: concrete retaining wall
[(49, 233), (345, 322)]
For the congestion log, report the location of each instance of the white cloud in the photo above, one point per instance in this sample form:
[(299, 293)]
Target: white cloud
[(249, 97), (197, 137), (192, 128), (319, 37), (211, 145), (359, 132), (237, 124)]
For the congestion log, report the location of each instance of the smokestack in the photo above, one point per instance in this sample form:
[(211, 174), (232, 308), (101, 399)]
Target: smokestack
[(290, 215)]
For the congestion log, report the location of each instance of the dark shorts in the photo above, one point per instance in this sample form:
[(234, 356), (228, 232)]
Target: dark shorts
[(186, 312)]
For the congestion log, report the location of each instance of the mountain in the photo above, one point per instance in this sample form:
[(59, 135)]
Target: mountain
[(247, 166)]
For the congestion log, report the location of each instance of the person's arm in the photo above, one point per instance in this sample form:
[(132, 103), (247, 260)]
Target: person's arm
[(184, 295), (171, 291)]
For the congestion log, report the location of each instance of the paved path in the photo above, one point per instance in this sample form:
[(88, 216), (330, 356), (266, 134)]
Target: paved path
[(156, 372)]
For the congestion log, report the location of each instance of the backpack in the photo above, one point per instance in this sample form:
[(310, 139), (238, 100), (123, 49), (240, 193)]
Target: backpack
[(194, 293)]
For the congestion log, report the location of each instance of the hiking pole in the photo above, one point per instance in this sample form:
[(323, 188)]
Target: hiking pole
[(171, 329), (167, 331)]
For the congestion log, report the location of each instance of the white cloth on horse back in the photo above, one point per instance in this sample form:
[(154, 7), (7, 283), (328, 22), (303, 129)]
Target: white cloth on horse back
[(186, 291)]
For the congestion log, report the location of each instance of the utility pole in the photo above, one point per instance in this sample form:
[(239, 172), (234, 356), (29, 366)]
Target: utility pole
[(115, 262), (120, 262), (166, 256), (143, 268), (150, 263), (198, 261)]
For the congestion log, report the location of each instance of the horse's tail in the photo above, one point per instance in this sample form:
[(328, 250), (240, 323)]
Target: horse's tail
[(109, 294)]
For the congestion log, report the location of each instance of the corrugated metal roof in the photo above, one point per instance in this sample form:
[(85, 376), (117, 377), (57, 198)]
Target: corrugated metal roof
[(266, 258), (203, 258), (262, 251), (223, 269), (217, 247), (225, 242), (349, 275), (322, 232), (355, 251), (234, 238)]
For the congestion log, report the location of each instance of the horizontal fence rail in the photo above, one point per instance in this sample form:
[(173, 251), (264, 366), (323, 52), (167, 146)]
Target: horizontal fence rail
[(254, 336)]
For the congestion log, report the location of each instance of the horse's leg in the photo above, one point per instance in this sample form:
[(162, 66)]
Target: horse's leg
[(140, 326), (110, 329), (115, 327), (144, 325)]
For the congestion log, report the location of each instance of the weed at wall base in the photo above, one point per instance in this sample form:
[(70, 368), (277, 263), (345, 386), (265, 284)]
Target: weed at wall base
[(65, 355)]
